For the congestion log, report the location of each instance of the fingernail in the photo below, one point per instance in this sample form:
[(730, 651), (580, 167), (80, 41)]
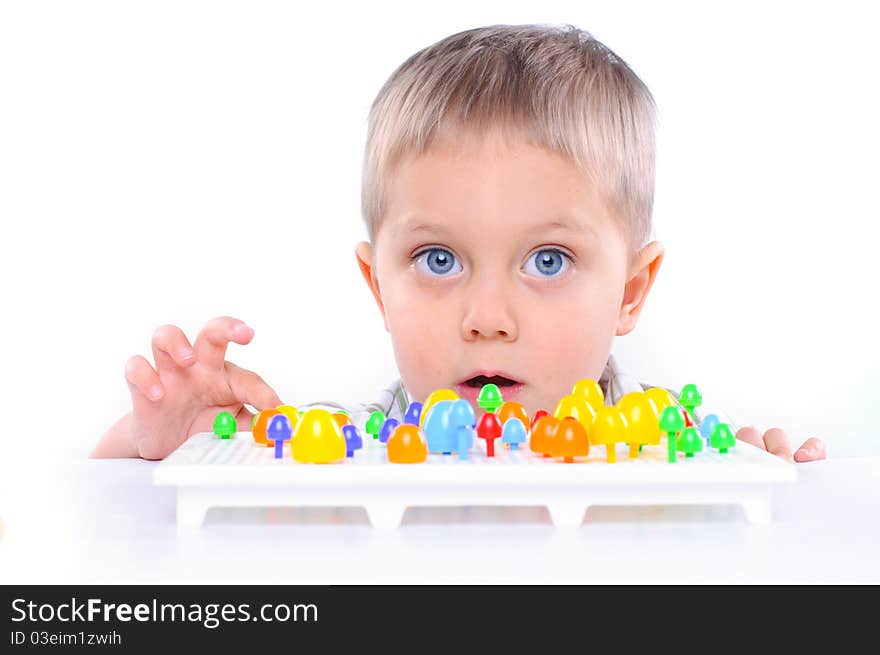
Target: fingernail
[(156, 392), (186, 353)]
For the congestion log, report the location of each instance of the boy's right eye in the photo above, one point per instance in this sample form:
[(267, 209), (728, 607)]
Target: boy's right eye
[(436, 262)]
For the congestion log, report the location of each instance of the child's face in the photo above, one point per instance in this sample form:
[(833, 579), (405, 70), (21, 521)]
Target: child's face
[(501, 258)]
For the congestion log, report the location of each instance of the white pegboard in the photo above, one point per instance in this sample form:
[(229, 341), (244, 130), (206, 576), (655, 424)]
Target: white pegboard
[(213, 472)]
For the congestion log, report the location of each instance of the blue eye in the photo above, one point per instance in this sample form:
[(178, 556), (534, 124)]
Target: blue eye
[(548, 262), (439, 262)]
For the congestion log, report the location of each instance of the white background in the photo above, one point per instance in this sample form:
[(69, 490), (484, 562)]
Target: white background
[(168, 162)]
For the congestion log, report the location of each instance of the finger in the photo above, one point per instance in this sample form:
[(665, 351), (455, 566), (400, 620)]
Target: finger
[(776, 442), (142, 379), (751, 435), (211, 343), (250, 388), (812, 449), (171, 348)]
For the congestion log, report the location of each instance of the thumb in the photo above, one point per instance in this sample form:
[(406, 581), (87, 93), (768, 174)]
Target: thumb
[(250, 388)]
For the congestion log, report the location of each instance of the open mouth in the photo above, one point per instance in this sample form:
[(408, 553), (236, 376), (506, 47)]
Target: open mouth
[(479, 381)]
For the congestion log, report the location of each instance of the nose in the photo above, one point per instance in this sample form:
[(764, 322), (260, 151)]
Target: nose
[(488, 312)]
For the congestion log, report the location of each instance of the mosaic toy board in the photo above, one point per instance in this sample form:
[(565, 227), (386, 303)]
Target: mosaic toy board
[(236, 472)]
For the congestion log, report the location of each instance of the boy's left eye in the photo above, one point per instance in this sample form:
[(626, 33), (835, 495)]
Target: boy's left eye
[(548, 262), (437, 262)]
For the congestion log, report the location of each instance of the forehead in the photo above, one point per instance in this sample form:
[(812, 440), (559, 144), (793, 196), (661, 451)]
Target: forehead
[(490, 183)]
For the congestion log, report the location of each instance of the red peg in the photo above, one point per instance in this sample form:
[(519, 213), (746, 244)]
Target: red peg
[(489, 428), (538, 415)]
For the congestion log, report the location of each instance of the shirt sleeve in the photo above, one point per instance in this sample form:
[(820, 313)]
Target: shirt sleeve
[(392, 401)]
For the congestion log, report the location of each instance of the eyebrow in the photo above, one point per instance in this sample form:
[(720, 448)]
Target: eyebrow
[(562, 224)]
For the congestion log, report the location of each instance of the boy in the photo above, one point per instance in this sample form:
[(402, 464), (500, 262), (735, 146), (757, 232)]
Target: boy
[(507, 191)]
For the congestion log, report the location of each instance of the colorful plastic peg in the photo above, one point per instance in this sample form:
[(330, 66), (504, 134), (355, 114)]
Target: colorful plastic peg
[(609, 428), (341, 419), (413, 413), (387, 428), (578, 408), (541, 440), (690, 397), (689, 442), (462, 421), (661, 397), (489, 428), (570, 440), (224, 425), (353, 440), (537, 417), (490, 397), (433, 398), (261, 424), (439, 434), (513, 433), (641, 421), (292, 414), (407, 445), (374, 423), (722, 437), (279, 431), (512, 409), (671, 422), (317, 438), (706, 427), (590, 391)]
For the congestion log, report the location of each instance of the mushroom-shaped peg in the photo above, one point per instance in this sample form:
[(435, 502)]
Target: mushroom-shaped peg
[(570, 440), (278, 432), (661, 397), (224, 425), (413, 413), (537, 417), (722, 437), (512, 409), (690, 397), (642, 421), (341, 419), (689, 442), (261, 424), (462, 421), (374, 423), (292, 414), (541, 440), (433, 398), (513, 433), (353, 440), (407, 445), (609, 428), (707, 425), (590, 391), (578, 408), (490, 397), (671, 422), (489, 428), (317, 438), (437, 429), (387, 428)]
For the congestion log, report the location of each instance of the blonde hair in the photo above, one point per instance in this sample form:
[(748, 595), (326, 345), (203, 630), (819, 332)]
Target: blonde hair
[(559, 85)]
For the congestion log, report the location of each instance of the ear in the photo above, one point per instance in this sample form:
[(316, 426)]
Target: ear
[(640, 278), (364, 254)]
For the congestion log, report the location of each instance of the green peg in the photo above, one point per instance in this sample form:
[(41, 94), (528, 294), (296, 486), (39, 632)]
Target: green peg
[(224, 425), (722, 438), (374, 423), (690, 397), (490, 397), (689, 441), (671, 422), (342, 411)]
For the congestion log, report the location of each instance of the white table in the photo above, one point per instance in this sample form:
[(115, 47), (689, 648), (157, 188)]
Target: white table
[(74, 520)]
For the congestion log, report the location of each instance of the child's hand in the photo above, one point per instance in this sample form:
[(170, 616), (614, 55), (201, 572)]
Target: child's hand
[(775, 441), (190, 385)]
